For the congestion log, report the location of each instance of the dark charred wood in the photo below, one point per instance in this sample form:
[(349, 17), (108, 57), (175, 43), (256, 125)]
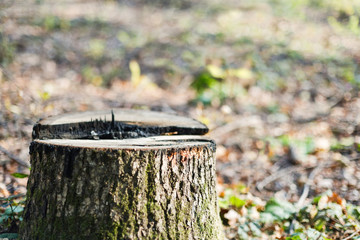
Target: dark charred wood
[(116, 124)]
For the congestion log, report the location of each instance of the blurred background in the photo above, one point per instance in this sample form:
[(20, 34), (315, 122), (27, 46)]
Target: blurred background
[(276, 81)]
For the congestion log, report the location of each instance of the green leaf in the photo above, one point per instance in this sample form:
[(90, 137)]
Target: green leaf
[(354, 211), (285, 140), (223, 203), (9, 235), (20, 175), (266, 217), (3, 218), (96, 48), (320, 223), (44, 95), (316, 199), (215, 71), (242, 73), (18, 209), (11, 210), (281, 210), (335, 210), (255, 229), (343, 144), (297, 236), (236, 202), (309, 145), (243, 232), (313, 234), (6, 204), (8, 211), (203, 81)]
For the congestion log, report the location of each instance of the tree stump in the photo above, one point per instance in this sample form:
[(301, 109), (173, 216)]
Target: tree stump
[(93, 178)]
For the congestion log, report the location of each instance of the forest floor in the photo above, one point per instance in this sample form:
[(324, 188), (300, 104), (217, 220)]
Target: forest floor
[(276, 83)]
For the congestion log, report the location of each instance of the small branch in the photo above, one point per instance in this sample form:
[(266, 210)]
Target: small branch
[(6, 73), (10, 198), (354, 159), (306, 189), (320, 115), (276, 175), (15, 158), (352, 235), (305, 194), (220, 132)]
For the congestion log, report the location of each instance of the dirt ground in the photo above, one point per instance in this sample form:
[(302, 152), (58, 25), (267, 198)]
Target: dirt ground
[(279, 93)]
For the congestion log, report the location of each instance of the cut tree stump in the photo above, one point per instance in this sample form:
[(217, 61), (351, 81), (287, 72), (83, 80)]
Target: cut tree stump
[(107, 184)]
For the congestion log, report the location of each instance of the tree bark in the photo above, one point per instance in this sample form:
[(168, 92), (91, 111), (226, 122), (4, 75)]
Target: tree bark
[(160, 187)]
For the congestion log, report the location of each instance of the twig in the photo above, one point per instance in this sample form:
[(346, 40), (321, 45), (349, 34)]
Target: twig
[(305, 193), (306, 189), (354, 159), (6, 73), (10, 198), (352, 235), (275, 176), (220, 132), (319, 115), (13, 157), (289, 170), (227, 128)]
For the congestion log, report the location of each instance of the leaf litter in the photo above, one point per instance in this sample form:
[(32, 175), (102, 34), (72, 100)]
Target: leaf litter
[(276, 84)]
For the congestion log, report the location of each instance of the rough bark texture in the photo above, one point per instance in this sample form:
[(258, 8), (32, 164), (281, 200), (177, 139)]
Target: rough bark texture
[(154, 188), (116, 124), (84, 186)]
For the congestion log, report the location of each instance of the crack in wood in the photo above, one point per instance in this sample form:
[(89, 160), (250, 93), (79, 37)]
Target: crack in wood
[(133, 175)]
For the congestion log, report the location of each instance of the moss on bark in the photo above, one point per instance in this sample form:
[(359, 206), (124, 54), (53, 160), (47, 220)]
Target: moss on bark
[(77, 192)]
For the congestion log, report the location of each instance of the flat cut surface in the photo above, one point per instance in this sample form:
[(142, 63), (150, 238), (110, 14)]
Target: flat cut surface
[(130, 116), (151, 143), (116, 124)]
